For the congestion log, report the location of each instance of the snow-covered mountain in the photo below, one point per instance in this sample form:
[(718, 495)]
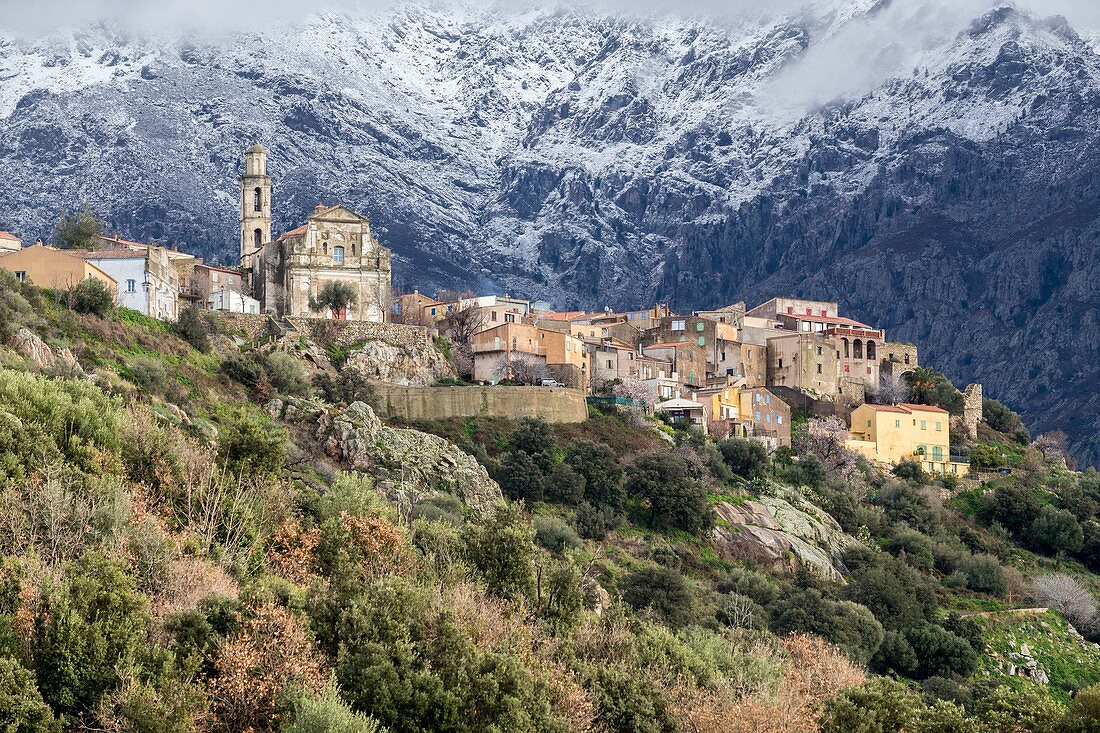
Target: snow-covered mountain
[(932, 165)]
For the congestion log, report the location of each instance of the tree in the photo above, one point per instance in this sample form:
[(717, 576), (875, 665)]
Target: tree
[(502, 550), (464, 320), (891, 389), (635, 389), (603, 478), (746, 458), (940, 652), (627, 703), (22, 709), (194, 326), (850, 626), (337, 296), (80, 229), (676, 499), (660, 590), (826, 438), (1001, 418), (1013, 507), (1055, 530), (880, 706), (523, 369), (930, 387), (1069, 597), (92, 296)]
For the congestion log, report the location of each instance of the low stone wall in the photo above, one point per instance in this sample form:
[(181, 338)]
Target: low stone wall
[(327, 332), (552, 404)]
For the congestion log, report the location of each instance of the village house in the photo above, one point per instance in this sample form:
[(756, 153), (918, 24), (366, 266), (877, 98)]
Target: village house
[(147, 279), (681, 408), (806, 362), (608, 328), (731, 314), (609, 360), (211, 283), (50, 267), (335, 245), (718, 340), (893, 433), (9, 242), (757, 330), (562, 356), (771, 309), (746, 412), (646, 317), (687, 359)]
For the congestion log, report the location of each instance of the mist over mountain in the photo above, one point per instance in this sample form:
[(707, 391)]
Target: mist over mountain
[(934, 166)]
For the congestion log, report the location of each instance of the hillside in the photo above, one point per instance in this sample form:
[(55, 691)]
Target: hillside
[(605, 159), (220, 534)]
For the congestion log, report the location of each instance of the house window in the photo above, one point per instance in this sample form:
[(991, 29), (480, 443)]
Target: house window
[(779, 419), (780, 362), (868, 423), (21, 276), (609, 364), (213, 277), (897, 423), (131, 286), (702, 340), (338, 255), (937, 453), (819, 351), (824, 314), (700, 326), (939, 426), (679, 325), (923, 424), (433, 311), (758, 416), (258, 238), (790, 310), (509, 318), (492, 315), (819, 369)]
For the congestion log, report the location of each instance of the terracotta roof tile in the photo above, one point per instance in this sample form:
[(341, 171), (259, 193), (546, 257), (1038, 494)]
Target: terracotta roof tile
[(8, 235)]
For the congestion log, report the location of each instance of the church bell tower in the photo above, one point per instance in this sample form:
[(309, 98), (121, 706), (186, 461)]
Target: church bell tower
[(255, 204)]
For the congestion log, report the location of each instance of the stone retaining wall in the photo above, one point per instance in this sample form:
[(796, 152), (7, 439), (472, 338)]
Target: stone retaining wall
[(552, 404), (326, 332)]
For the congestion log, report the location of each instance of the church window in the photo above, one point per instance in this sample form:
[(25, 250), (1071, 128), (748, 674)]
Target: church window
[(258, 238), (338, 255), (257, 199)]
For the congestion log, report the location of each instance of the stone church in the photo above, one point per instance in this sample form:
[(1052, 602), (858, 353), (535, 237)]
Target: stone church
[(334, 245)]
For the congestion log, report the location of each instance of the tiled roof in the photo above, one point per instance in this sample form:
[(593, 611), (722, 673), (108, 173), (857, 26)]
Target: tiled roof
[(907, 408), (666, 344), (293, 232), (566, 316), (8, 235), (922, 408), (107, 254)]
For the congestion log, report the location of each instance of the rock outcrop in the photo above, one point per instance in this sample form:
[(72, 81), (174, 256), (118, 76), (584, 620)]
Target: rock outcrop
[(408, 464), (402, 365), (785, 529), (53, 359)]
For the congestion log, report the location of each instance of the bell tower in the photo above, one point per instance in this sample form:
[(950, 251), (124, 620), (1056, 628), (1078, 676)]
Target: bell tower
[(255, 204)]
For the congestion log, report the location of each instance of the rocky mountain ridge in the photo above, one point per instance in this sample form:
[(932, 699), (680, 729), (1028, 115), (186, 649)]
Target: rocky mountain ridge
[(598, 159)]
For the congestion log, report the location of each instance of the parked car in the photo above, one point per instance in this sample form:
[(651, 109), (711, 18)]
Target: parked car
[(550, 383)]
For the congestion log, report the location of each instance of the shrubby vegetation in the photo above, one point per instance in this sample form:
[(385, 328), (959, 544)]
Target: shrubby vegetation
[(173, 559)]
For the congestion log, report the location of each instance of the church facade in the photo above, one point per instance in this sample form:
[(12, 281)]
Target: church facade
[(335, 245)]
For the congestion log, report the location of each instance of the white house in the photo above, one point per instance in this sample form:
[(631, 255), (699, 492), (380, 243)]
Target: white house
[(225, 299), (147, 280)]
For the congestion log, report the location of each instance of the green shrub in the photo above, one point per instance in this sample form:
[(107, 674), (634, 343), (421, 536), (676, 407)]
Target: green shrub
[(896, 594), (22, 709), (285, 372), (629, 703), (325, 712), (879, 706), (661, 591), (1055, 530), (555, 535), (910, 471), (521, 477), (1002, 419), (502, 551), (603, 477), (249, 444), (1014, 507), (984, 574), (593, 523), (746, 458), (195, 326), (676, 499), (43, 420), (940, 652), (92, 296), (565, 485), (850, 626), (345, 388), (913, 546), (533, 437)]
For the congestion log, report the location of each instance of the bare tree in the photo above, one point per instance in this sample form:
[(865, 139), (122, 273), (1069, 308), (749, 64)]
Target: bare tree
[(412, 317), (633, 388), (522, 369), (1055, 448), (826, 438), (1069, 597), (464, 321), (890, 390)]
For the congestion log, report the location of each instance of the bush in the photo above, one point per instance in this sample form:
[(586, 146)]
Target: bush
[(661, 591), (903, 502), (629, 703), (746, 458), (1002, 419), (676, 499), (250, 445), (265, 374), (603, 478), (593, 523), (533, 437), (940, 652), (565, 485), (1055, 530), (22, 709), (896, 594), (1014, 507), (503, 552), (849, 625), (325, 712), (195, 326), (92, 296), (984, 574), (521, 478), (343, 389), (555, 535), (913, 546), (910, 471), (879, 706)]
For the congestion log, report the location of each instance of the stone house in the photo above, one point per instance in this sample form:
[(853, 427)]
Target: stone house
[(731, 314), (207, 281), (688, 360), (50, 267), (775, 307), (746, 412), (562, 355), (610, 328), (806, 362), (608, 360)]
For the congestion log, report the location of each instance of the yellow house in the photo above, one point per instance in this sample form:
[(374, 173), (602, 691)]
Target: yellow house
[(49, 267), (894, 433)]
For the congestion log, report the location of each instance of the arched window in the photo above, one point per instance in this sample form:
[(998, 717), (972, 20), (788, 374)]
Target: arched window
[(258, 238), (257, 199), (847, 351), (338, 255), (857, 349), (870, 350)]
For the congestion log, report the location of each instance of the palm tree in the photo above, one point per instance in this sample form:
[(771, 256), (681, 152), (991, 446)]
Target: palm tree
[(922, 381)]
